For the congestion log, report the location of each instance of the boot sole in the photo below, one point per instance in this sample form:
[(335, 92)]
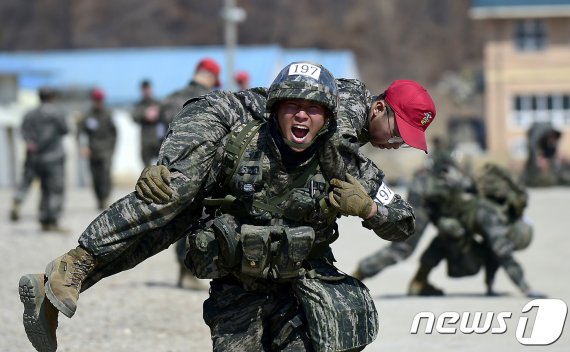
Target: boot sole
[(59, 305), (35, 323)]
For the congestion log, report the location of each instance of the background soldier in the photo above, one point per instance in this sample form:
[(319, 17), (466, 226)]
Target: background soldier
[(43, 130), (242, 80), (494, 214), (98, 126), (206, 77), (146, 114), (543, 166)]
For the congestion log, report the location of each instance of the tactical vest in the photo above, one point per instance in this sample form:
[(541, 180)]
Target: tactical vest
[(285, 216)]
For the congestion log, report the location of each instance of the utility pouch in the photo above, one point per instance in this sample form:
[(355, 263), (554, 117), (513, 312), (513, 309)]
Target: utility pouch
[(299, 204), (295, 247), (255, 243), (340, 313), (226, 231), (203, 257)]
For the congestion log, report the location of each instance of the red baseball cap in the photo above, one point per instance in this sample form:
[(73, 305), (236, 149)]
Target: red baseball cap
[(212, 66), (242, 76), (97, 94), (414, 110)]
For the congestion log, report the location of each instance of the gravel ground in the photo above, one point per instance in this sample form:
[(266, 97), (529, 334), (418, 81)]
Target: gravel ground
[(142, 310)]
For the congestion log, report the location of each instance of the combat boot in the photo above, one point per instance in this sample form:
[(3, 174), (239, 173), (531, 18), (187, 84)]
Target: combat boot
[(15, 211), (65, 276), (40, 316), (423, 288)]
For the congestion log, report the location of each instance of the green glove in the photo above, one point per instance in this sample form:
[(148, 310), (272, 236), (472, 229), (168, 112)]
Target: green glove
[(350, 198), (153, 184)]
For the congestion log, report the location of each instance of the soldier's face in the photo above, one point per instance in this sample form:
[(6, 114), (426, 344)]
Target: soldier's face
[(383, 129), (300, 120)]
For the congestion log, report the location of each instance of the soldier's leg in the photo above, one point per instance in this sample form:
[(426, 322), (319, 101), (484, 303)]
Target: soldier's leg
[(431, 257), (235, 317), (53, 183), (491, 267), (28, 176), (123, 236), (185, 277), (389, 255)]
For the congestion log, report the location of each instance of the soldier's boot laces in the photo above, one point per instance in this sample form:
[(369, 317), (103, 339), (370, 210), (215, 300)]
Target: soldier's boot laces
[(40, 316), (65, 276)]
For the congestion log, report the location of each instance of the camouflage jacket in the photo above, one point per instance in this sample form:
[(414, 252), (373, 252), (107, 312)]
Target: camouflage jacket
[(436, 196), (174, 101), (44, 127), (150, 130), (101, 132), (193, 138)]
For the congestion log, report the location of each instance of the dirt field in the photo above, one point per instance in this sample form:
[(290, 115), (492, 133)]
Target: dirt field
[(142, 310)]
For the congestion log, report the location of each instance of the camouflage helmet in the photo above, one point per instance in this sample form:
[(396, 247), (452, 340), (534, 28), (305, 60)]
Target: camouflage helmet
[(304, 80), (520, 234)]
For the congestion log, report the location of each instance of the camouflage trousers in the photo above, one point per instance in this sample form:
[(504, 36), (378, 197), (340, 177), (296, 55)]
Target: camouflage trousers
[(52, 179), (101, 176), (389, 255), (267, 319)]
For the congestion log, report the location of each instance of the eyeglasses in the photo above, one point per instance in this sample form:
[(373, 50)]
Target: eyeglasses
[(394, 139)]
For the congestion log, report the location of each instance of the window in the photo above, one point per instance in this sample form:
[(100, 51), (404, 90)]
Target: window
[(530, 35), (554, 108)]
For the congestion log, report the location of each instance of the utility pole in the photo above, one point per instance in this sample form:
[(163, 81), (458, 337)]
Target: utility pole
[(232, 15)]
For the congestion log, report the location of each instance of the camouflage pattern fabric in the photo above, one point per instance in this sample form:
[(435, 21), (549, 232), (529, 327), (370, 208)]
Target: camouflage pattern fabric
[(398, 251), (174, 101), (339, 309), (44, 127), (269, 319), (129, 226)]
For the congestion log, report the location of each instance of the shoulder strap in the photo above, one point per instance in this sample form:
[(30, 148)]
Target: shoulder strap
[(235, 148)]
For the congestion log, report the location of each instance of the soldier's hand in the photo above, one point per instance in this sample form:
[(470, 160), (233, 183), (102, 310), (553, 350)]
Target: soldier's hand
[(350, 198), (153, 184)]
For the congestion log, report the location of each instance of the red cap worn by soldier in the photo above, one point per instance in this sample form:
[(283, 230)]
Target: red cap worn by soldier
[(97, 94), (211, 66), (242, 77), (414, 110)]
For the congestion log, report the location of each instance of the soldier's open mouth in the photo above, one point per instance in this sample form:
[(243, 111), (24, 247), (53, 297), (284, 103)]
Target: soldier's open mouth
[(299, 131)]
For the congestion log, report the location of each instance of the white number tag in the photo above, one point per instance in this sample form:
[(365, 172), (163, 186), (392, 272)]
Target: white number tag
[(384, 195), (92, 123), (305, 69)]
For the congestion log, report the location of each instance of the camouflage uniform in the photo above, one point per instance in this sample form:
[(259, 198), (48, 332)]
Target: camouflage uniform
[(152, 132), (284, 292), (99, 127), (418, 188), (168, 110), (44, 127), (188, 150), (462, 217), (131, 230), (398, 251)]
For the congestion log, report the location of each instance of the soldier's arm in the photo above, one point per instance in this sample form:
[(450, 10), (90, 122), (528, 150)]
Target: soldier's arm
[(393, 219), (494, 228)]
